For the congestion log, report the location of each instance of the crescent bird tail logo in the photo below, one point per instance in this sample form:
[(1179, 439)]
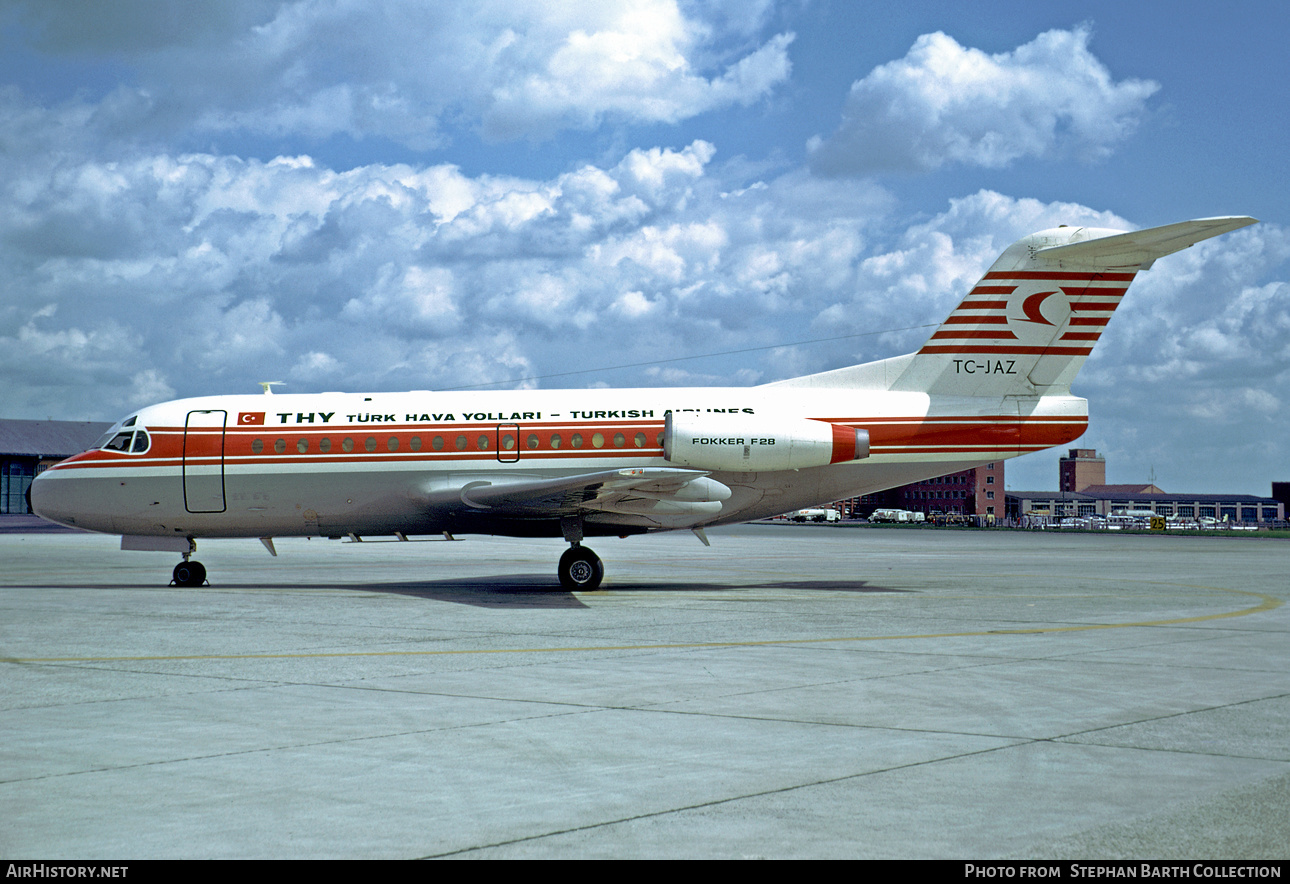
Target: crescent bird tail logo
[(1031, 307)]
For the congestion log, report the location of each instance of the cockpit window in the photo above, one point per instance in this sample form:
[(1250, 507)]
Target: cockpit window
[(126, 437), (109, 439), (120, 442)]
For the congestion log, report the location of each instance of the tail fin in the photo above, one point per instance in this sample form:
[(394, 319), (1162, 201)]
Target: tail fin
[(1026, 328), (1028, 325)]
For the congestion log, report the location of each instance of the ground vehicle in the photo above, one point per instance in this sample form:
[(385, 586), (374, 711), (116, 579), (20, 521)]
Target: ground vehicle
[(815, 514)]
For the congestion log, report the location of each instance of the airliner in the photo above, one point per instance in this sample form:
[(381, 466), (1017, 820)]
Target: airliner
[(992, 382)]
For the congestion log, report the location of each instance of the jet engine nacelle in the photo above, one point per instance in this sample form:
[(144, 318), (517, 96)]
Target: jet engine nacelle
[(743, 444)]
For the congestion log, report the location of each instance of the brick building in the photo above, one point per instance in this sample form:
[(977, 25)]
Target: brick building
[(1081, 468), (974, 492)]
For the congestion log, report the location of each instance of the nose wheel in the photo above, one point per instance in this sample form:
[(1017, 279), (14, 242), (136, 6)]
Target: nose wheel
[(189, 573), (581, 569)]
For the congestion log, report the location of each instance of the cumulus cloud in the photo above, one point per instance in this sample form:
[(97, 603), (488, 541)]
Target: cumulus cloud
[(136, 271), (203, 273), (1197, 356), (917, 277), (222, 272), (411, 70), (946, 104), (1208, 313), (266, 261)]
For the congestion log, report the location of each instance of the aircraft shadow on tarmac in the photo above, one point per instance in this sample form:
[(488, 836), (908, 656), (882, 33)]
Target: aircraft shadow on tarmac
[(515, 590), (539, 591)]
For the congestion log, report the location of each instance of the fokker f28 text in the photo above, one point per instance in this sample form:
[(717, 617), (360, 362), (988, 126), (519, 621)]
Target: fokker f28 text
[(992, 382)]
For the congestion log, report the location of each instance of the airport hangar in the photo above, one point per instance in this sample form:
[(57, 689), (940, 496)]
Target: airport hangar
[(28, 448)]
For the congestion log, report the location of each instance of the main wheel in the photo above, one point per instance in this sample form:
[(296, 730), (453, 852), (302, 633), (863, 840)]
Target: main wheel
[(581, 569), (190, 574)]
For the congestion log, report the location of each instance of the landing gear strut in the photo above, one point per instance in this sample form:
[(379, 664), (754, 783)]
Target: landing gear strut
[(581, 569)]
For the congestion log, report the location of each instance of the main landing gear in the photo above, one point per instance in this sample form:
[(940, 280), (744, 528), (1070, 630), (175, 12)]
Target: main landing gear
[(189, 572), (581, 569)]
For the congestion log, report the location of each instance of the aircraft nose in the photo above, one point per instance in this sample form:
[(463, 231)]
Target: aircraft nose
[(55, 500), (39, 501)]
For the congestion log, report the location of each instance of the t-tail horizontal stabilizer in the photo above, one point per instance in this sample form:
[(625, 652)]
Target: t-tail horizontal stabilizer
[(1139, 249)]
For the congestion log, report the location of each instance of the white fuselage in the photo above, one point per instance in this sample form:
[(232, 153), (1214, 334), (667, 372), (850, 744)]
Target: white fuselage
[(332, 464)]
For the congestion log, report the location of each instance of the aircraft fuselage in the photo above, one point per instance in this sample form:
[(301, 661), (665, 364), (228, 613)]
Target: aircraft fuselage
[(332, 464)]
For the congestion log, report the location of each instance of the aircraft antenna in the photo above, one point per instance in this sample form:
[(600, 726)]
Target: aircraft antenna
[(269, 385), (607, 368)]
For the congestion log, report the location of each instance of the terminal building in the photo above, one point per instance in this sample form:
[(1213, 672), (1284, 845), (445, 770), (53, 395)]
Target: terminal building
[(28, 448), (1084, 492), (1107, 500)]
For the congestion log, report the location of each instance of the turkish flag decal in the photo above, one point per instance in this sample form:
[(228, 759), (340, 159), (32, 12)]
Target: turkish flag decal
[(251, 418)]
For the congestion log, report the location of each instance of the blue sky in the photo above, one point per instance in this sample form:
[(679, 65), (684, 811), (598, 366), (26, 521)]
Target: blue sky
[(344, 195)]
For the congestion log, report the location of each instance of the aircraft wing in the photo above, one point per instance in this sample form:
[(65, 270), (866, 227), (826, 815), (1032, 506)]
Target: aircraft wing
[(639, 491)]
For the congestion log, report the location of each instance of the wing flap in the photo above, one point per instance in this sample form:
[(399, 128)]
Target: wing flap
[(629, 490)]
